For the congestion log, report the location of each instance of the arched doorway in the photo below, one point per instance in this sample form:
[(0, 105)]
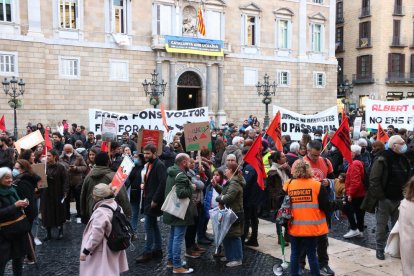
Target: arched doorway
[(188, 91)]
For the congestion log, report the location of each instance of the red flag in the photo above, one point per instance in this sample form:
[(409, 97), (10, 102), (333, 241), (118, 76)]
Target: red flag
[(382, 135), (342, 141), (2, 124), (164, 118), (325, 139), (275, 132), (48, 144), (254, 158), (343, 115), (104, 146)]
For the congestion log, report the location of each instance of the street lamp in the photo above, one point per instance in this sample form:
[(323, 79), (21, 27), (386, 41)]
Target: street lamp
[(347, 89), (267, 90), (157, 89), (14, 89)]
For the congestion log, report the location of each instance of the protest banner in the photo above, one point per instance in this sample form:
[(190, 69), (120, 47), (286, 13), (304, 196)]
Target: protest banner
[(357, 127), (122, 173), (109, 128), (400, 114), (40, 170), (148, 136), (29, 141), (197, 136), (293, 123), (148, 119)]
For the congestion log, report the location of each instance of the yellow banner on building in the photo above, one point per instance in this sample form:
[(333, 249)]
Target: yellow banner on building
[(195, 46)]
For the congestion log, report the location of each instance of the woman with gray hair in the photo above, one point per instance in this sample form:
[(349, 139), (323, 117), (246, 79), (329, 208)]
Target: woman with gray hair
[(96, 257), (354, 194)]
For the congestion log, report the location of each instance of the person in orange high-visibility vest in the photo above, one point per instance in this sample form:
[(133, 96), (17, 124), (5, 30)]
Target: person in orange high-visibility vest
[(309, 204)]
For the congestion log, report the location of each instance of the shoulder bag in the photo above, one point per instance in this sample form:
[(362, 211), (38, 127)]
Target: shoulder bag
[(15, 229), (175, 206)]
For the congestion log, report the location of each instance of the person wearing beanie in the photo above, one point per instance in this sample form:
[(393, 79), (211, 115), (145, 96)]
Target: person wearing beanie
[(96, 258), (101, 173)]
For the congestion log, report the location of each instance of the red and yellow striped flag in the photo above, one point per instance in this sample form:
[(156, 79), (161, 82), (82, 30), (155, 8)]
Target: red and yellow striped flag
[(200, 25)]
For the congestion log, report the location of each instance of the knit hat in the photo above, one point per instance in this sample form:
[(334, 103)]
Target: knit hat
[(103, 190), (3, 171), (102, 159)]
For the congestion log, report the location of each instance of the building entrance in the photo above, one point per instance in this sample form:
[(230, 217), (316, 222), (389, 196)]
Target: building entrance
[(189, 91)]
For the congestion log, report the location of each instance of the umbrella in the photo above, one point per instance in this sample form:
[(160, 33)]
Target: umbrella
[(278, 269), (221, 221)]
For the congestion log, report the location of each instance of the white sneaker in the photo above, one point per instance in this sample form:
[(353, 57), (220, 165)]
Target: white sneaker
[(351, 234), (78, 220), (142, 220), (234, 263), (223, 259), (37, 241)]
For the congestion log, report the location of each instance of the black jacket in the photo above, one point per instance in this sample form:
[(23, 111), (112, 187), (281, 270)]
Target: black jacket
[(253, 195), (25, 186), (154, 188), (134, 181)]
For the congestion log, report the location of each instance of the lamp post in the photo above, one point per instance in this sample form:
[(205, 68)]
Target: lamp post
[(347, 89), (267, 90), (14, 89), (157, 89)]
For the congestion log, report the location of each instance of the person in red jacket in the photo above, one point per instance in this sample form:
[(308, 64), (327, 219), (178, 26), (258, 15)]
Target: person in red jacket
[(355, 193)]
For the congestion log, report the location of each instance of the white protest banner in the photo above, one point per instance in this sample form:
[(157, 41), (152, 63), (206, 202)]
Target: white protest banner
[(109, 128), (293, 123), (400, 114), (357, 127), (149, 119)]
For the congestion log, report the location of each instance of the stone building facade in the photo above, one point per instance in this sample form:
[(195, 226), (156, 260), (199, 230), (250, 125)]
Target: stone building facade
[(81, 54), (374, 45)]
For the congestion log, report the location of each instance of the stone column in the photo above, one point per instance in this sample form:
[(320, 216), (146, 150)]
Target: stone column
[(208, 89), (221, 114), (302, 28), (172, 100), (34, 18), (158, 69)]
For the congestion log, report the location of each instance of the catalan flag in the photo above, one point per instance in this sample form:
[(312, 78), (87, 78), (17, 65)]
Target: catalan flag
[(200, 25)]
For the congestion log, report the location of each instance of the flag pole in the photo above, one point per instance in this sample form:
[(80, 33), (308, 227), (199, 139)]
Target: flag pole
[(327, 144)]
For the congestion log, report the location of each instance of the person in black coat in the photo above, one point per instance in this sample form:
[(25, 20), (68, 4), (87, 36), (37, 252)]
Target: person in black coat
[(11, 207), (134, 182), (26, 185), (253, 197), (154, 189)]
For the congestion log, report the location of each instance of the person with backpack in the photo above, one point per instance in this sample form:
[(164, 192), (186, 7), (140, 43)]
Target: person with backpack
[(96, 257), (355, 193)]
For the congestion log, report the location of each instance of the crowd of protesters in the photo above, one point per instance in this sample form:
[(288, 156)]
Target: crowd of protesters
[(77, 167)]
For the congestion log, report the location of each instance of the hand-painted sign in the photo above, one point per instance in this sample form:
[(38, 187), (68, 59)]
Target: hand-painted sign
[(197, 136)]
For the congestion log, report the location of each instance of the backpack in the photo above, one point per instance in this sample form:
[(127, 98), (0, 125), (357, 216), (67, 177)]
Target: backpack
[(121, 233)]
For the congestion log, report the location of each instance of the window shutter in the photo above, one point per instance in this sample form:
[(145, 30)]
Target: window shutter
[(360, 31), (358, 67), (243, 30), (322, 42), (165, 20), (289, 35), (402, 64), (412, 64), (313, 36), (370, 65), (369, 29), (315, 79), (389, 62), (257, 38)]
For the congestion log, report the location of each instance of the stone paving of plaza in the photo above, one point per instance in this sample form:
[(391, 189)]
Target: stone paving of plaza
[(353, 257)]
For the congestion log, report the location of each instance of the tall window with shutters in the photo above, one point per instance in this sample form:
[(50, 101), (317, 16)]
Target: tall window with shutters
[(411, 77), (364, 69), (214, 27), (6, 11), (119, 16), (396, 34), (164, 20), (68, 14), (364, 34), (317, 37), (396, 67), (251, 30), (283, 78), (284, 36)]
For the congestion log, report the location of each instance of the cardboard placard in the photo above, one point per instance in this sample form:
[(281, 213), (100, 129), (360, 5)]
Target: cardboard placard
[(148, 136), (197, 136), (40, 170), (109, 128), (29, 141), (122, 173)]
